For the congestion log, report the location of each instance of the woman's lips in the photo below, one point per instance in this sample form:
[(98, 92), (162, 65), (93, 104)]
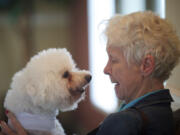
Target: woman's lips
[(116, 85)]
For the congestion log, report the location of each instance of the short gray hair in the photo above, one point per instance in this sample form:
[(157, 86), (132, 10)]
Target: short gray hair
[(142, 33)]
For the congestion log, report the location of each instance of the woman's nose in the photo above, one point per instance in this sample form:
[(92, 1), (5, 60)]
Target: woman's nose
[(107, 69)]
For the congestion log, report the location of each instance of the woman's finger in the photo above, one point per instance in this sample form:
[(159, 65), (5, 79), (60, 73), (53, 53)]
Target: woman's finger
[(5, 129), (15, 123)]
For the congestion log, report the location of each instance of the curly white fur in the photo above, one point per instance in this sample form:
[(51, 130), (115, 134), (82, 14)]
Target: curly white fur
[(41, 88)]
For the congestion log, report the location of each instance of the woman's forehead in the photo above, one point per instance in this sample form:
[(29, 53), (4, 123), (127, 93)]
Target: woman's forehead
[(114, 51)]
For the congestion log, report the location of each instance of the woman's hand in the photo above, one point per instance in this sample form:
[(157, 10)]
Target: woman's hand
[(6, 130)]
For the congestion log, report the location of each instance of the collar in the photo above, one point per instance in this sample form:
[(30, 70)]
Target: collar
[(35, 122), (154, 97)]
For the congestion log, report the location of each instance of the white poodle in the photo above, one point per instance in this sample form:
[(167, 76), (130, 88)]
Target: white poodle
[(50, 82)]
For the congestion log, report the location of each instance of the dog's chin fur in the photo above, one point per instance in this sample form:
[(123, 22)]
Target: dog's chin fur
[(42, 88), (73, 103)]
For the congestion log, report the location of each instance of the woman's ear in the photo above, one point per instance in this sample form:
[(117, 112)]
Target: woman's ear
[(147, 65)]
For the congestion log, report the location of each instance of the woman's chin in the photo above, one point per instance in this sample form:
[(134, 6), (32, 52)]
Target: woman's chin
[(118, 91)]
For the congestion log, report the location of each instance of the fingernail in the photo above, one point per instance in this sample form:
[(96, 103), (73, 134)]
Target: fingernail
[(7, 112)]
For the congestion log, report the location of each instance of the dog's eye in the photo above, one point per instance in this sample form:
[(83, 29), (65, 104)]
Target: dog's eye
[(66, 74)]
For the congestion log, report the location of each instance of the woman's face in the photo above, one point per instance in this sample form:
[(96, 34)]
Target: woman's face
[(127, 78)]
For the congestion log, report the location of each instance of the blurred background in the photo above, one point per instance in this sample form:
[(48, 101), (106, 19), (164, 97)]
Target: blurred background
[(29, 26)]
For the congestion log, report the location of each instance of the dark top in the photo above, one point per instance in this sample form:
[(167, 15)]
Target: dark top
[(155, 106)]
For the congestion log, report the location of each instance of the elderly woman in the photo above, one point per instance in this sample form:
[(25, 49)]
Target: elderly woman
[(143, 49)]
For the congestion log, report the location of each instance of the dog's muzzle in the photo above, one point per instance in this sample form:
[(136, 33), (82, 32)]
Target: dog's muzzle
[(80, 89)]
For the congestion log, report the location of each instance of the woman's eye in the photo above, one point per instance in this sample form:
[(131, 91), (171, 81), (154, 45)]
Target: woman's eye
[(66, 74), (113, 61)]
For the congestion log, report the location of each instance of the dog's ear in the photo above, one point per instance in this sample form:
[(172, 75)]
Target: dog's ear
[(42, 92), (36, 95)]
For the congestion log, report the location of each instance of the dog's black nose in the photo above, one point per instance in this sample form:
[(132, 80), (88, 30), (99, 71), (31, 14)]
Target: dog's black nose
[(88, 78)]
